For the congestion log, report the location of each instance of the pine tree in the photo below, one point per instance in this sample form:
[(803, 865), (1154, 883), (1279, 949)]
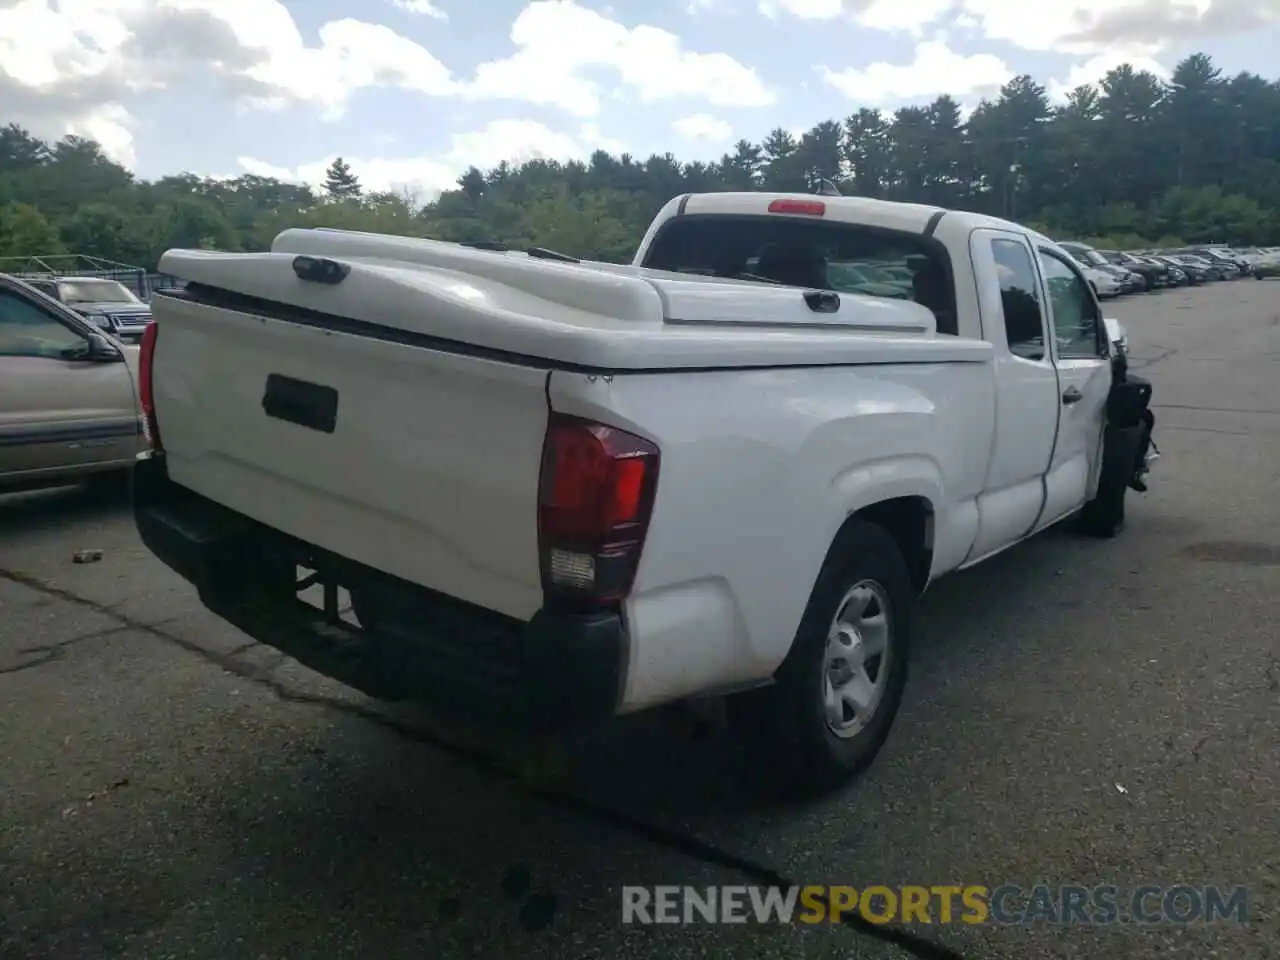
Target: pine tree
[(340, 183)]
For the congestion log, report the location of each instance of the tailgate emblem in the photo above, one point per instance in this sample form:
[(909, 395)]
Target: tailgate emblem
[(309, 405)]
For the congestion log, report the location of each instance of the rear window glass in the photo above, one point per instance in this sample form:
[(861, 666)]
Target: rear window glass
[(814, 254)]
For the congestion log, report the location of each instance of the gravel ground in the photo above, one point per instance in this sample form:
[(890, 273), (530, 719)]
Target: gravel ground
[(1079, 713)]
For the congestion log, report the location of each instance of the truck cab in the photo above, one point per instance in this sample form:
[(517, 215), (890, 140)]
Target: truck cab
[(984, 279)]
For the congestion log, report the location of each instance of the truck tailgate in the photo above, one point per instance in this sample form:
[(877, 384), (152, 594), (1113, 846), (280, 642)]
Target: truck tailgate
[(417, 462)]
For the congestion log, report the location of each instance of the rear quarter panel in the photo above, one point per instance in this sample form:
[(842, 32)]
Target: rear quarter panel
[(759, 470)]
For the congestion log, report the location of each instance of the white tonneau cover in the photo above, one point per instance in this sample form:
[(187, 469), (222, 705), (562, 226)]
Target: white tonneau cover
[(592, 315)]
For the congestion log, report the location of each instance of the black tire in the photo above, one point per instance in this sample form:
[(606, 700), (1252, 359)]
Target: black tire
[(1103, 516), (785, 726)]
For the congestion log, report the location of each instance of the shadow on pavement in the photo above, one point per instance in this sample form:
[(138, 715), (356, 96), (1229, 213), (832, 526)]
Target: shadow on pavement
[(59, 507)]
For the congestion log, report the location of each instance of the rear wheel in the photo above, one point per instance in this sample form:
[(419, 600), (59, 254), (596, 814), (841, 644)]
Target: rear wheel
[(837, 693)]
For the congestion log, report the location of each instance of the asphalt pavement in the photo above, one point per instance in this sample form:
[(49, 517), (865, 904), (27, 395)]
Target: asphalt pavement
[(1080, 712)]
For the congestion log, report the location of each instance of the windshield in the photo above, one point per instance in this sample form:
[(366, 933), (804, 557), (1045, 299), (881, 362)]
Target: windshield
[(815, 254), (94, 291)]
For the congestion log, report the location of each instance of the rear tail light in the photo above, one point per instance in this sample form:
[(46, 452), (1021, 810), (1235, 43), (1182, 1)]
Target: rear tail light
[(146, 393), (595, 497)]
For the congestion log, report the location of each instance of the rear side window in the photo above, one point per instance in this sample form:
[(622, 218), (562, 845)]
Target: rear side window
[(1019, 299), (814, 254)]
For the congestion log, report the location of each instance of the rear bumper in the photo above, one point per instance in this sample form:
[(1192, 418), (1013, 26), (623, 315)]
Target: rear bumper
[(555, 671)]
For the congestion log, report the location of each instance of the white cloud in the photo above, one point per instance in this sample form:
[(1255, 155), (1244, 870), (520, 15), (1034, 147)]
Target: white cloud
[(71, 64), (511, 140), (804, 9), (111, 125), (559, 43), (1083, 27), (910, 16), (424, 7), (48, 59), (352, 55), (703, 126), (74, 64), (935, 69), (1041, 26), (1095, 68), (1133, 28)]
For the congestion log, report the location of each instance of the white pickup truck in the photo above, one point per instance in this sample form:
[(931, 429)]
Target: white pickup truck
[(557, 491)]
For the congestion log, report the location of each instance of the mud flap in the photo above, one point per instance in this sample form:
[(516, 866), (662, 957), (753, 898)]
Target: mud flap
[(1119, 454)]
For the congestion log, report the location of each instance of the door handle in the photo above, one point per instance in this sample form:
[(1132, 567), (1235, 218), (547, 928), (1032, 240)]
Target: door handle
[(1071, 395)]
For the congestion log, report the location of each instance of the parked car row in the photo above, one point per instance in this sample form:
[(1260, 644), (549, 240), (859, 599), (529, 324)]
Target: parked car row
[(68, 406), (107, 304), (1113, 273)]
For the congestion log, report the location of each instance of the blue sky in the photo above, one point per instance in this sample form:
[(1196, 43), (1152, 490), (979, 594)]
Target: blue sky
[(413, 91)]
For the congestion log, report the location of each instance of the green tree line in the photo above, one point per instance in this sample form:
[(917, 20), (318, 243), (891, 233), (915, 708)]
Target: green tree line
[(1133, 160)]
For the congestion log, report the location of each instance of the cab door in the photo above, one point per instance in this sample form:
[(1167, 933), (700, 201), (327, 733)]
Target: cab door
[(1015, 321), (1081, 355), (59, 410)]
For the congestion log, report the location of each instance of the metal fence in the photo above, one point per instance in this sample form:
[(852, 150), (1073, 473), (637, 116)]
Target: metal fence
[(138, 279), (163, 281)]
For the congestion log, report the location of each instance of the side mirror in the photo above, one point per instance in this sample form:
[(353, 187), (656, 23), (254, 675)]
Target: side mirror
[(1117, 335), (102, 350)]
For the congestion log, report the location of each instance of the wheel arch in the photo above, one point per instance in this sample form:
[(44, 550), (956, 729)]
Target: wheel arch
[(909, 521)]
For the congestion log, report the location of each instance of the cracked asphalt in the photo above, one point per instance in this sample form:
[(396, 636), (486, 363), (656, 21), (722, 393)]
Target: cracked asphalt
[(1079, 713)]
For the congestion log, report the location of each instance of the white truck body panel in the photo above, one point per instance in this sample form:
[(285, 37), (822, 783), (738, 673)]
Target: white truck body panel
[(724, 561), (775, 423), (415, 481)]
